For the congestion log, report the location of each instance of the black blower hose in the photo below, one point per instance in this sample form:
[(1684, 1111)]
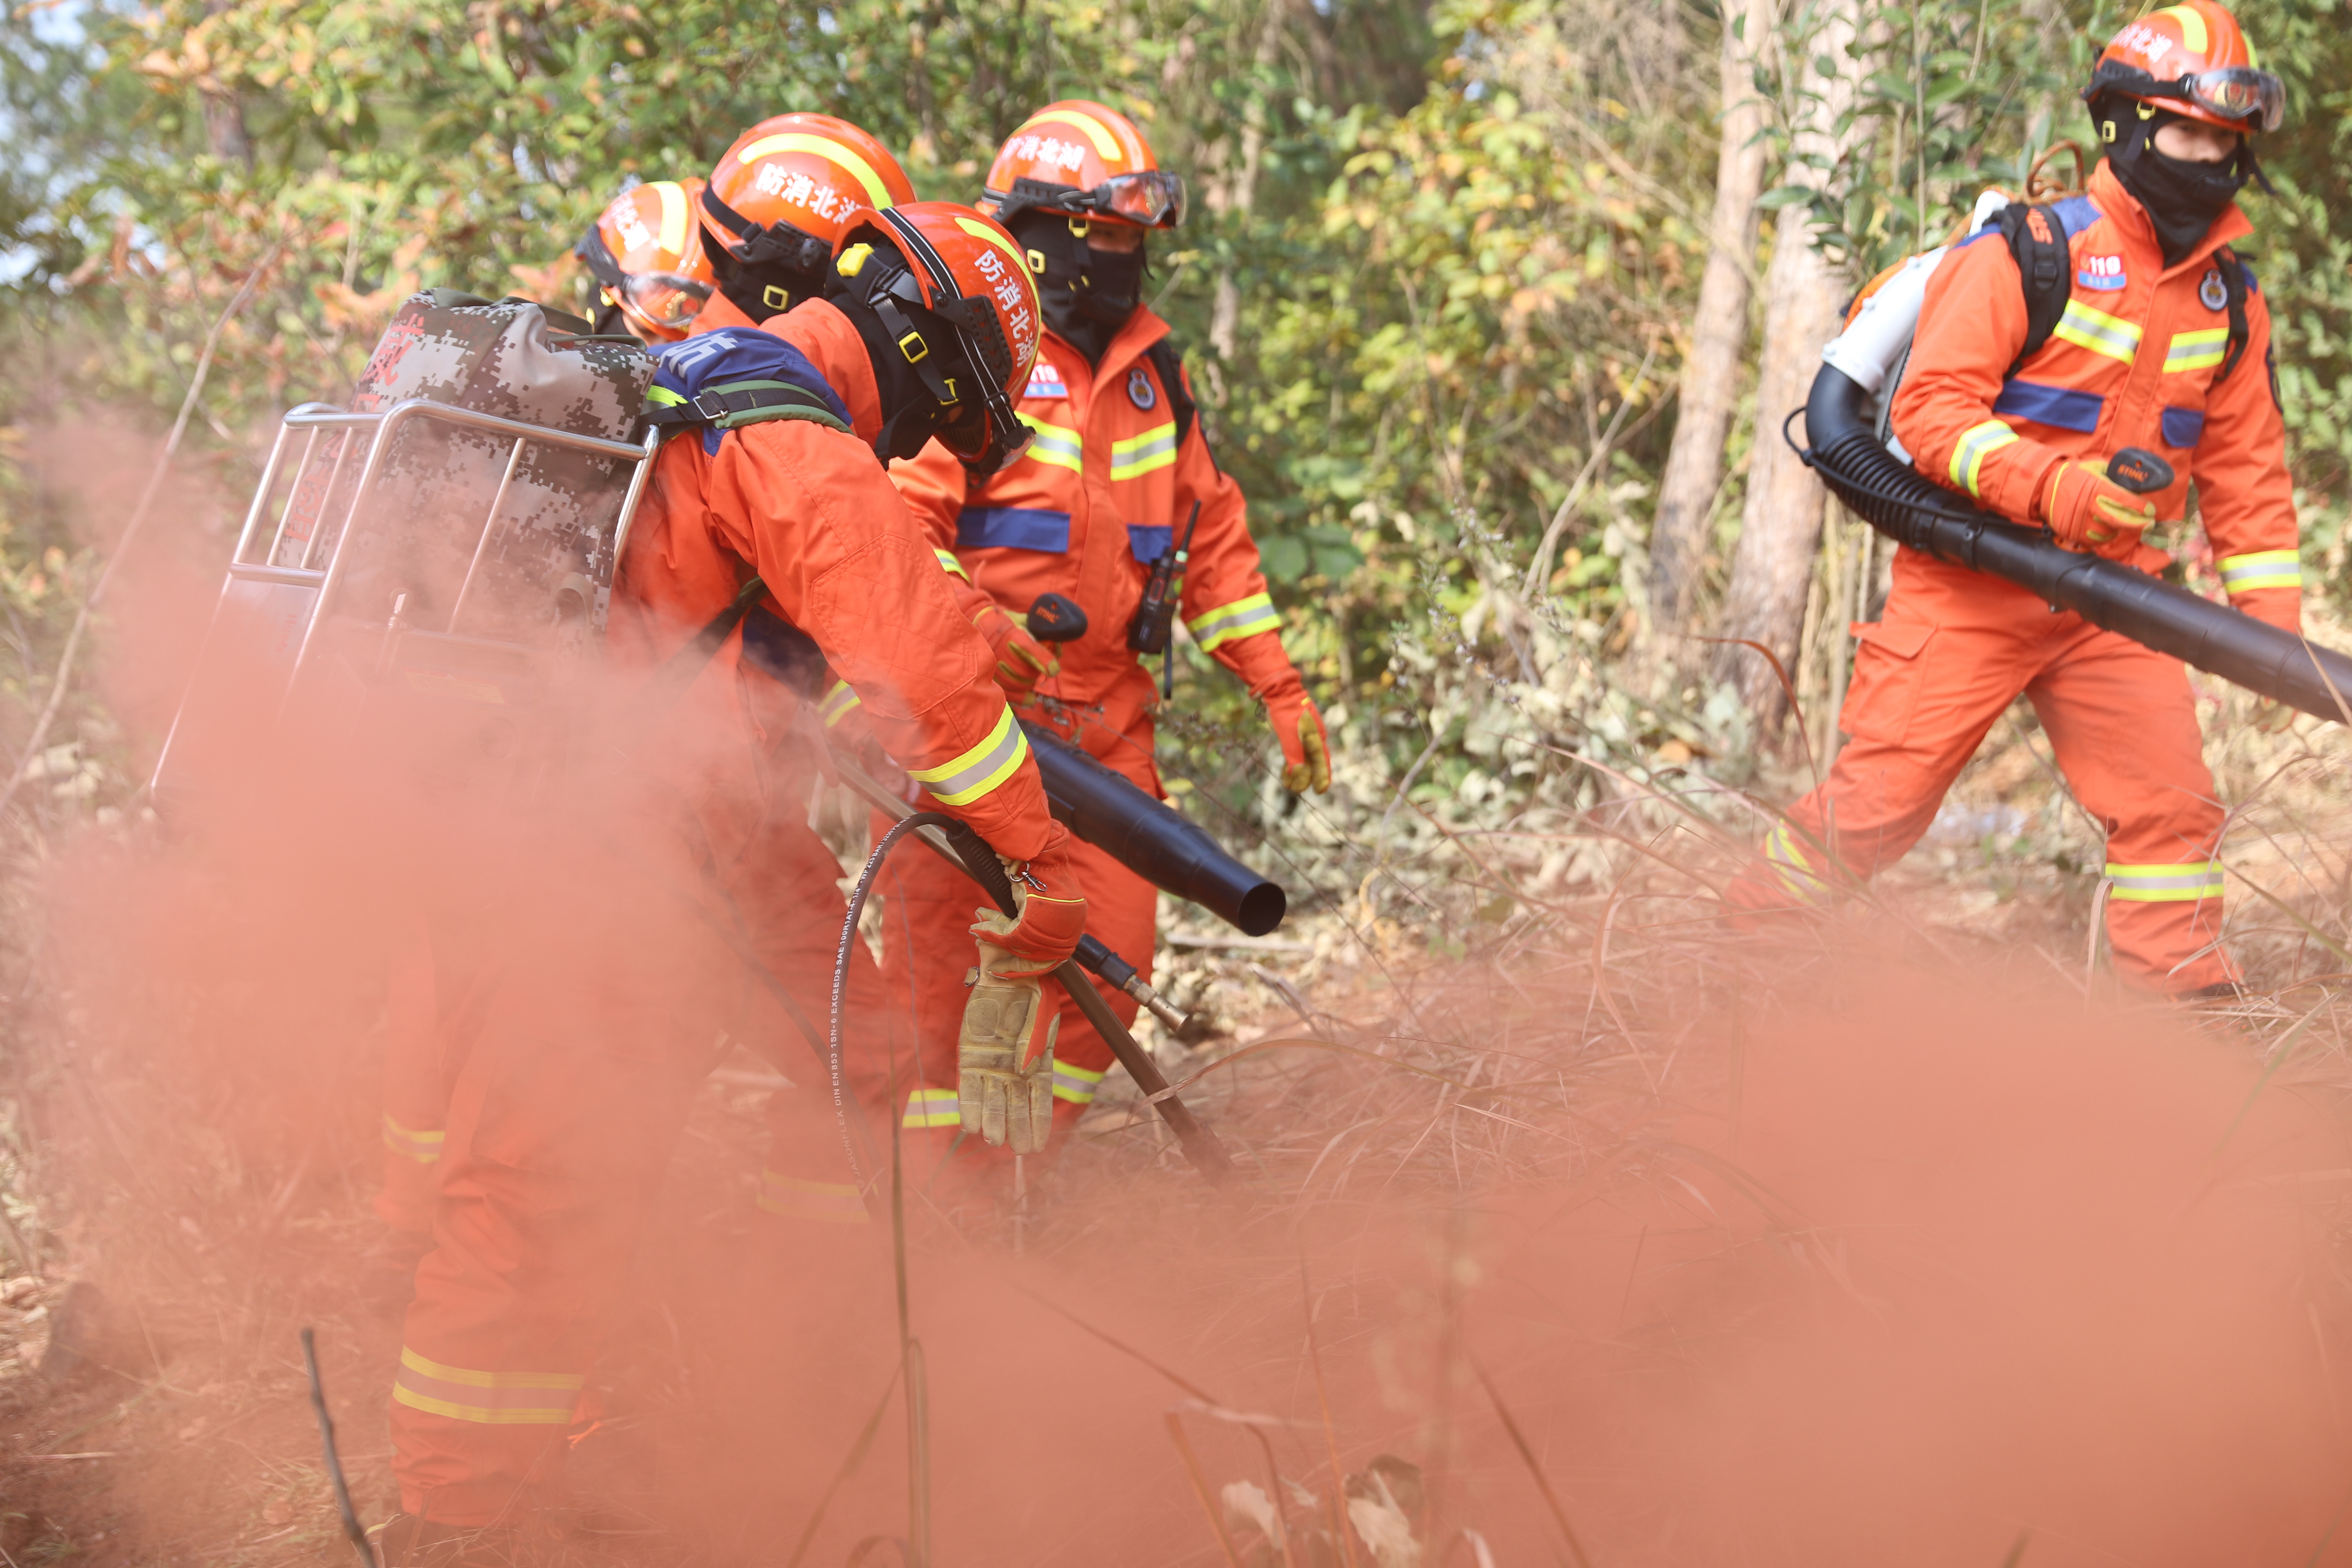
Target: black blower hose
[(1897, 501)]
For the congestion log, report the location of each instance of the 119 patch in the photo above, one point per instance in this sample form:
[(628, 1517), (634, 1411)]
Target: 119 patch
[(1140, 390)]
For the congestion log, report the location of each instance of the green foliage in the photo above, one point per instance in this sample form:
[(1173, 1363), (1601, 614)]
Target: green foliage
[(1435, 293)]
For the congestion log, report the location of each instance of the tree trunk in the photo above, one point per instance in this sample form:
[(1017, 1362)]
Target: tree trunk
[(1781, 527), (224, 131), (1226, 307), (1709, 393)]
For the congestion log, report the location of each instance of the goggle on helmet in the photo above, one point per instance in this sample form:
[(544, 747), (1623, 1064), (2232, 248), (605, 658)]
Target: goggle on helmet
[(1150, 198), (645, 252), (2252, 99)]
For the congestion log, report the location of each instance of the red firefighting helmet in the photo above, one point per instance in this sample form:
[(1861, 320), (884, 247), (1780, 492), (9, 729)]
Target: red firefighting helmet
[(789, 187), (1086, 160), (646, 253), (951, 288), (2194, 60)]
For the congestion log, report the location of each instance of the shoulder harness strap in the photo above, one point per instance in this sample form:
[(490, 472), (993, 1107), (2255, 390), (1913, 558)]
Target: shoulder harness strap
[(2236, 283), (736, 376), (1165, 360), (2037, 238)]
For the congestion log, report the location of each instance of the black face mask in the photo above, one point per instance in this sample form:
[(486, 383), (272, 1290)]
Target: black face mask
[(912, 415), (1084, 302), (762, 288), (2182, 198)]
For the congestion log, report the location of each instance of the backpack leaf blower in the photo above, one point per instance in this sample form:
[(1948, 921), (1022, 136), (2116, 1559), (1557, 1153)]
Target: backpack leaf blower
[(1849, 445)]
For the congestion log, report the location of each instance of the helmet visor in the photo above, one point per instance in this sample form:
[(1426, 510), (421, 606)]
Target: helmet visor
[(2238, 92), (666, 299), (1153, 198)]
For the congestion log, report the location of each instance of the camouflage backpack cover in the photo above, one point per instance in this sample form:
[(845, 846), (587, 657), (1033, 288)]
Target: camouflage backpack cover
[(546, 562)]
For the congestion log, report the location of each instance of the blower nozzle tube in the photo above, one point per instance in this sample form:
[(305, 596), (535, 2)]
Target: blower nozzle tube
[(1157, 845), (1893, 499)]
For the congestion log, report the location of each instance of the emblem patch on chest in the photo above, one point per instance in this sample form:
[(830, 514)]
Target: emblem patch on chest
[(2211, 293), (1046, 381), (2101, 272), (1140, 390)]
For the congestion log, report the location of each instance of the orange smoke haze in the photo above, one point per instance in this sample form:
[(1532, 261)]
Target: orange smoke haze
[(1899, 1270)]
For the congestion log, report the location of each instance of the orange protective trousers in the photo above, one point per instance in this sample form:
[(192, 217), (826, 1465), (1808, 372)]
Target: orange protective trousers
[(562, 1112), (1955, 649), (928, 908)]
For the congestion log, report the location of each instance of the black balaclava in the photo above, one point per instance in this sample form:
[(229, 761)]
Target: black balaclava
[(1085, 309), (911, 415), (2182, 198), (756, 286)]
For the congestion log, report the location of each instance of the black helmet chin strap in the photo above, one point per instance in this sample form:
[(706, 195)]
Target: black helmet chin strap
[(795, 250)]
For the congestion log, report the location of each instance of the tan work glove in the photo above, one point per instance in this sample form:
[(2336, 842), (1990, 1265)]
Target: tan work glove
[(1004, 1054)]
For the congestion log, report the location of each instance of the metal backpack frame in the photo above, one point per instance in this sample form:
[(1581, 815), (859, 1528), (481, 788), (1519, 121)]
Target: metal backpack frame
[(283, 613)]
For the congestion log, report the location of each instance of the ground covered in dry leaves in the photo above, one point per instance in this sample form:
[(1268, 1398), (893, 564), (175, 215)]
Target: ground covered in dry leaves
[(1571, 1229)]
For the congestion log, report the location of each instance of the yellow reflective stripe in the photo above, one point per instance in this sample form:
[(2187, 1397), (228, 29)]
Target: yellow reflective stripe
[(663, 397), (827, 1203), (422, 1145), (1063, 447), (878, 195), (2182, 883), (493, 1398), (991, 233), (1096, 131), (2193, 36), (2262, 569), (673, 222), (949, 564), (1976, 443), (2199, 350), (1243, 617), (931, 1108), (979, 770), (2099, 332), (1140, 455), (837, 703), (1075, 1084), (1793, 868)]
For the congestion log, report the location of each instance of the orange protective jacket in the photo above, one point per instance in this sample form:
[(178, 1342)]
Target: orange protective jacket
[(2134, 362), (809, 511), (1096, 496)]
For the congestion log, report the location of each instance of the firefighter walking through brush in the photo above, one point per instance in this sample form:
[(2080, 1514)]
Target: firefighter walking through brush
[(1114, 477), (2164, 343), (770, 550)]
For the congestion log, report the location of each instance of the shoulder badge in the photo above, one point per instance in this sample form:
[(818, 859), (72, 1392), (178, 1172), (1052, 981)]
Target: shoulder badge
[(1140, 390), (2213, 293)]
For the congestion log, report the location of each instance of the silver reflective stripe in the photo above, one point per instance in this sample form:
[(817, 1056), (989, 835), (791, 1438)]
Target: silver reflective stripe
[(2182, 883), (492, 1398), (979, 770)]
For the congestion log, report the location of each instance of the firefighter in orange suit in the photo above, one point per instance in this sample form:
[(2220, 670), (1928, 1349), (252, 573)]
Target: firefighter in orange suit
[(1108, 486), (771, 215), (771, 498), (2165, 344)]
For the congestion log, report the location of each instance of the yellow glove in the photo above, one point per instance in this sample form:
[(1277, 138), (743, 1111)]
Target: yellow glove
[(1004, 1053), (1306, 751), (2273, 717)]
